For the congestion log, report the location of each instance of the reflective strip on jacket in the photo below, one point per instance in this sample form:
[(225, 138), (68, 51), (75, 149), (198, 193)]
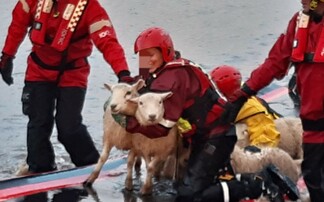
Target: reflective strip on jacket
[(91, 28)]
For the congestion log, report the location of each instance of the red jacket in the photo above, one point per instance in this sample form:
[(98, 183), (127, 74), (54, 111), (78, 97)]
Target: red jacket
[(189, 88), (79, 48), (310, 76)]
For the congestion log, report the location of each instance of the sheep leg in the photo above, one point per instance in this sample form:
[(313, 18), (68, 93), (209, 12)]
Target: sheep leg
[(130, 164), (138, 164), (148, 184), (101, 161), (169, 167)]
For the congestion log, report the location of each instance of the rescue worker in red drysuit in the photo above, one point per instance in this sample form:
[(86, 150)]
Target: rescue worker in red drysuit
[(194, 99), (303, 45), (62, 32), (255, 113)]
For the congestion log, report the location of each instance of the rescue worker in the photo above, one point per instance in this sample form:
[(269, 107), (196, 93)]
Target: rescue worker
[(61, 32), (195, 100), (255, 113), (302, 44)]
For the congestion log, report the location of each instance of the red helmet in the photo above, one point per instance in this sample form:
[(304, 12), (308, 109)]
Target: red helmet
[(156, 37), (227, 79)]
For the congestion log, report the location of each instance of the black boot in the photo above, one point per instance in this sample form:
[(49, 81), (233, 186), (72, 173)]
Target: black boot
[(286, 185), (260, 184), (276, 185)]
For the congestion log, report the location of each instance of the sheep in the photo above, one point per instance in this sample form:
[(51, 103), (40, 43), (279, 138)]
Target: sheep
[(115, 135), (290, 129), (249, 162), (154, 151)]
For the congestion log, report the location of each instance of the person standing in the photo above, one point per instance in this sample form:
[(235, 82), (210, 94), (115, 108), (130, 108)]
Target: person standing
[(62, 33), (303, 45), (195, 100)]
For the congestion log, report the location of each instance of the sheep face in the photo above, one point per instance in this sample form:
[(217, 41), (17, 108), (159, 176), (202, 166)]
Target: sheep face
[(150, 109), (120, 94)]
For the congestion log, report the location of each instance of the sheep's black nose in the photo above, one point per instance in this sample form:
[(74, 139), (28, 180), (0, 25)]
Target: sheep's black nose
[(113, 106), (152, 117)]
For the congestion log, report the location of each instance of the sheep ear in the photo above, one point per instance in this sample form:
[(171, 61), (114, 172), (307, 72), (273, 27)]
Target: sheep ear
[(139, 84), (108, 86), (133, 100), (166, 95)]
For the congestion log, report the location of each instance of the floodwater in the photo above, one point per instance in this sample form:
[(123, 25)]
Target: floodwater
[(209, 32)]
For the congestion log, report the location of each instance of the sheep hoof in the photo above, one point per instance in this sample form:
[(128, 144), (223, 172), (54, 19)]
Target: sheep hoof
[(129, 185), (87, 183), (146, 191)]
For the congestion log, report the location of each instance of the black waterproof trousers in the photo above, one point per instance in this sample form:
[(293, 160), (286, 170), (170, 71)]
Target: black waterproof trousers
[(313, 170), (44, 103), (207, 160)]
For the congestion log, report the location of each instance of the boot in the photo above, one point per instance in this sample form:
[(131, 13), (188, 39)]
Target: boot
[(286, 185), (276, 185), (260, 184)]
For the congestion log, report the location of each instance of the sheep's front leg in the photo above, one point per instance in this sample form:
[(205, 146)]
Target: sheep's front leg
[(101, 161), (148, 184), (130, 164)]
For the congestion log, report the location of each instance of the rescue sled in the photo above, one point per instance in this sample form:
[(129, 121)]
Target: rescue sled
[(57, 180)]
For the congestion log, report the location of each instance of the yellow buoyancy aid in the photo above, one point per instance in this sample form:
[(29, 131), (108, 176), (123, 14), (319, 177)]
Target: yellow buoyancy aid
[(260, 123)]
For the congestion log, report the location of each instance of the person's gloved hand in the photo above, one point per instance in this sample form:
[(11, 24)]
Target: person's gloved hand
[(236, 101), (124, 76), (231, 110), (6, 66), (242, 93)]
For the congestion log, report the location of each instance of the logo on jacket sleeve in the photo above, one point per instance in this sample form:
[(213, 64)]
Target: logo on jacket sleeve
[(104, 34)]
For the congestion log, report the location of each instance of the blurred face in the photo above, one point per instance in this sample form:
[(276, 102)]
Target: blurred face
[(151, 59), (305, 5)]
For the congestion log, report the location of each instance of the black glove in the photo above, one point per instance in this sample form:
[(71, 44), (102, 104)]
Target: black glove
[(243, 93), (236, 101), (231, 110), (124, 76), (6, 66)]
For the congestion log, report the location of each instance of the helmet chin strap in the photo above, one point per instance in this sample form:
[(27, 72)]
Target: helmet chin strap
[(314, 3)]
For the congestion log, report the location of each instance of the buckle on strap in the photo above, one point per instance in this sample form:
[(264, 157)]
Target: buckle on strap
[(308, 57)]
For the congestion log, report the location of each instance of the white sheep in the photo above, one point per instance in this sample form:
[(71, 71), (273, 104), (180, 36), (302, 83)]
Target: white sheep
[(249, 162), (115, 135), (290, 129), (154, 151), (158, 150)]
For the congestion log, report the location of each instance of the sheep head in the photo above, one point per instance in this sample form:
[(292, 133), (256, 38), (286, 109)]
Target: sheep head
[(120, 94), (150, 109)]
